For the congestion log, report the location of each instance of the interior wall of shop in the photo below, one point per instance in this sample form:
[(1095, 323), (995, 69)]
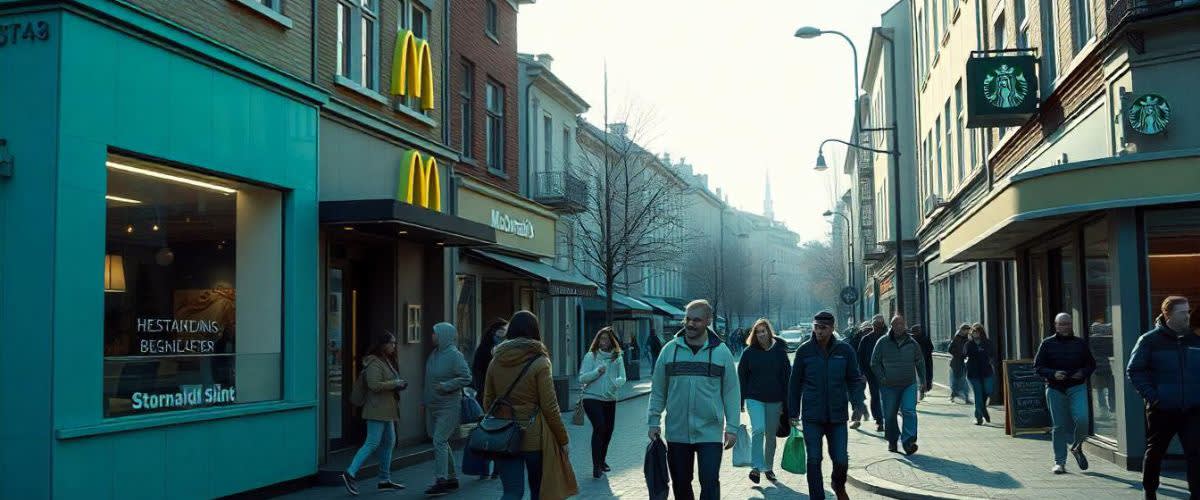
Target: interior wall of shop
[(89, 88)]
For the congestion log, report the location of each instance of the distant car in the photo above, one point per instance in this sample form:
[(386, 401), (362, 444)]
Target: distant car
[(793, 338)]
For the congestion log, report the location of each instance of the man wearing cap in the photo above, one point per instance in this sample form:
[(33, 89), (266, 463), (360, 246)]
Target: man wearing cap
[(825, 379)]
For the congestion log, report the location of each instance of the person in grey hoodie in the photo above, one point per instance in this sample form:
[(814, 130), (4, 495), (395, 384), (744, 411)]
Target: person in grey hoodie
[(446, 374), (696, 382), (602, 374), (899, 365)]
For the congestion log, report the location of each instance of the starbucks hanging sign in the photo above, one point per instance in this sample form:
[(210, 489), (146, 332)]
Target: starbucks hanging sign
[(1149, 114), (1002, 90)]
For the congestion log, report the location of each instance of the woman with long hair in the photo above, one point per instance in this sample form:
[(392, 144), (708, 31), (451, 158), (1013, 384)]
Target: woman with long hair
[(523, 363), (602, 375), (492, 336), (764, 373), (381, 412), (978, 353)]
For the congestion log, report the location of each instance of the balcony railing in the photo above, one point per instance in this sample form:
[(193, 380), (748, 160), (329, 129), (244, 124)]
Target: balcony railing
[(1122, 10), (560, 190)]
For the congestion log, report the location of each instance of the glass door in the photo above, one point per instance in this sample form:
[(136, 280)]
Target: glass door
[(342, 348)]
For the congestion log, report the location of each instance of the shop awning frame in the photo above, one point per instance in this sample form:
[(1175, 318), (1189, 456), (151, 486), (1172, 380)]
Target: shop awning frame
[(394, 218), (622, 304), (559, 283), (664, 308)]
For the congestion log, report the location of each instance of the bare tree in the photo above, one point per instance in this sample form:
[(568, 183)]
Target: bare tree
[(823, 273), (635, 215)]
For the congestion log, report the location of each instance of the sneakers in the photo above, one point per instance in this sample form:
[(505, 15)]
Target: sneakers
[(910, 449), (1080, 459), (978, 421), (987, 417), (754, 476), (390, 485), (771, 476), (892, 448), (442, 487), (605, 467), (1059, 469), (351, 483), (840, 491), (879, 427)]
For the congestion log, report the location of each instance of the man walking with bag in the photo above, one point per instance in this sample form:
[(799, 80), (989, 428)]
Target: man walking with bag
[(695, 382), (899, 365), (824, 380)]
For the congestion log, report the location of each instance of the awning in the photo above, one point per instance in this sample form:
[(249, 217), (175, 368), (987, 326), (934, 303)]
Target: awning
[(559, 282), (394, 218), (622, 302), (663, 307), (1037, 201)]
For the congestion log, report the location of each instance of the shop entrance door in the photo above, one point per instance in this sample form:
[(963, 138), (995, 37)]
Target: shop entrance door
[(350, 317)]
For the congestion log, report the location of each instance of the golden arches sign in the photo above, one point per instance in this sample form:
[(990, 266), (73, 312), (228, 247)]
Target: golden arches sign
[(419, 182), (412, 68)]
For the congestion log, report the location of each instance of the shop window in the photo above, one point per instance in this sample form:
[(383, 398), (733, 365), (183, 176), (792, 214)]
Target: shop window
[(1174, 263), (192, 290), (1098, 310), (464, 314), (941, 325)]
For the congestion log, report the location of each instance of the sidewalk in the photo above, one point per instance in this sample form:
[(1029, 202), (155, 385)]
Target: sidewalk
[(960, 460)]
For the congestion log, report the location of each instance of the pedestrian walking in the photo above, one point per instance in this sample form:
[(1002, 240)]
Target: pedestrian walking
[(825, 378), (900, 368), (958, 367), (446, 374), (978, 353), (763, 375), (382, 383), (492, 336), (866, 350), (602, 374), (918, 334), (543, 458), (1165, 371), (1065, 362), (696, 384), (654, 345), (864, 329)]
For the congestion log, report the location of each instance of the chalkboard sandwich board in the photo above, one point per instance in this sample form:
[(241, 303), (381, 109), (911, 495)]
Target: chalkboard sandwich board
[(1025, 403)]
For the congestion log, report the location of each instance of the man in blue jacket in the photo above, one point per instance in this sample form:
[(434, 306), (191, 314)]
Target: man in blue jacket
[(825, 378), (865, 350), (1065, 362), (1165, 371)]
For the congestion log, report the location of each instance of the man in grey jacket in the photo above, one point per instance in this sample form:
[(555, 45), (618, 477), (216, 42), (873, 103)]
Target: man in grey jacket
[(446, 374), (899, 365)]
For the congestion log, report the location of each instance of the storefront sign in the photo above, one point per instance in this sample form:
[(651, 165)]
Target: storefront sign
[(188, 396), (412, 68), (866, 192), (512, 225), (885, 286), (420, 183), (1002, 90), (1149, 114), (569, 289), (24, 33)]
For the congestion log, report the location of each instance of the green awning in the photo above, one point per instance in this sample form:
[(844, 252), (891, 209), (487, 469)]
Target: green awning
[(663, 307), (559, 282)]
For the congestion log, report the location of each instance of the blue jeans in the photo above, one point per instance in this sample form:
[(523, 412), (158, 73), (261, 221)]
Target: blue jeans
[(958, 384), (381, 436), (982, 388), (512, 475), (902, 400), (835, 434), (1069, 412), (876, 408), (681, 461), (764, 421)]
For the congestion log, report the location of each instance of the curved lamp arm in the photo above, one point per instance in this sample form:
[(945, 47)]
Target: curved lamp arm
[(856, 146)]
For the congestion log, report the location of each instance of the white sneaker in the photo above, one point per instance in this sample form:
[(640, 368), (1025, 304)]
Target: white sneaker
[(1059, 469)]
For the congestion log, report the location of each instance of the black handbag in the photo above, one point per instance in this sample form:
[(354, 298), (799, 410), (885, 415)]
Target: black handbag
[(497, 437)]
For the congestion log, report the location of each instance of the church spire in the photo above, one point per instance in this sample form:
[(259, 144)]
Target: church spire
[(768, 206)]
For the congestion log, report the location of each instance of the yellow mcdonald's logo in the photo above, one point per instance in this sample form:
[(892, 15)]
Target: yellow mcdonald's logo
[(412, 68), (419, 183)]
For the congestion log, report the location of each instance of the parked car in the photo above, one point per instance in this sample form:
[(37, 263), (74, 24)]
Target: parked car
[(793, 338)]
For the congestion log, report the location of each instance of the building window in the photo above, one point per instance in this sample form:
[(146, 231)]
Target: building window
[(937, 136), (1022, 23), (960, 131), (547, 143), (1081, 23), (998, 41), (945, 16), (566, 148), (495, 126), (415, 18), (358, 42), (192, 290), (921, 43), (1098, 314), (493, 19), (467, 109), (275, 5), (952, 180), (928, 167), (937, 28)]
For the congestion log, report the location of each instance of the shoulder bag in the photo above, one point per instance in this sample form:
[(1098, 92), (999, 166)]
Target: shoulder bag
[(497, 437)]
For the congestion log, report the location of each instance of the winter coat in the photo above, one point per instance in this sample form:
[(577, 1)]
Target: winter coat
[(698, 390), (1165, 369), (532, 396), (865, 350), (382, 383), (479, 365), (979, 359), (927, 352), (1070, 354), (957, 359), (446, 370), (823, 382), (654, 344), (602, 387), (763, 374), (897, 361)]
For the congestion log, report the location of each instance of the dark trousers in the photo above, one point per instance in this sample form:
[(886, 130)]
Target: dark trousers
[(836, 436), (514, 470), (876, 408), (1161, 426), (681, 460), (603, 415)]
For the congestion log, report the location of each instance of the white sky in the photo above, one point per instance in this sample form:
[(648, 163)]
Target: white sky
[(730, 88)]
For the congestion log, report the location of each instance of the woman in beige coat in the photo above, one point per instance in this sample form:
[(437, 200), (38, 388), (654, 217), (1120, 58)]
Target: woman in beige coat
[(380, 412)]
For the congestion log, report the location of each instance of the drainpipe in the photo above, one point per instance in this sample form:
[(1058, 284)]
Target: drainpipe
[(533, 73)]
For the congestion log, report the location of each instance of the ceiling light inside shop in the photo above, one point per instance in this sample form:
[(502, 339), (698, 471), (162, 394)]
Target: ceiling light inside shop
[(1175, 256), (173, 178), (402, 232), (122, 200)]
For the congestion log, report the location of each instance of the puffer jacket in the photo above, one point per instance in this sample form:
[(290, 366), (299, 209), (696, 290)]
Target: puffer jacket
[(446, 370), (897, 361), (1165, 369), (382, 399), (698, 390), (602, 387), (823, 382), (533, 395), (1066, 353)]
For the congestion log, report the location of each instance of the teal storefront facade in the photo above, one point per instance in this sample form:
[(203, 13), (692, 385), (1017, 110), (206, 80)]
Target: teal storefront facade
[(158, 260)]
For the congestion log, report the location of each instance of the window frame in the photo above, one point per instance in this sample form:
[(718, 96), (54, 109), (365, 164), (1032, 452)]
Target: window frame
[(548, 143), (491, 20), (353, 43), (937, 137), (960, 130), (467, 109), (1082, 27), (495, 129)]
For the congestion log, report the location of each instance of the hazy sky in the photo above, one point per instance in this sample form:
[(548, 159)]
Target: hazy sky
[(729, 87)]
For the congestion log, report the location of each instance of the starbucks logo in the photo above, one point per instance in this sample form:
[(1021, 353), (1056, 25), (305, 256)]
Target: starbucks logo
[(1149, 114), (1005, 87)]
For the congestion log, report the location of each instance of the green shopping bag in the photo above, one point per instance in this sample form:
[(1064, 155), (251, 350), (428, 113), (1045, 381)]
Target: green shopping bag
[(795, 458)]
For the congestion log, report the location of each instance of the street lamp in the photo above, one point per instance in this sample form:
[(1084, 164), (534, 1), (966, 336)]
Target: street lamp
[(821, 166), (809, 32), (849, 248)]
